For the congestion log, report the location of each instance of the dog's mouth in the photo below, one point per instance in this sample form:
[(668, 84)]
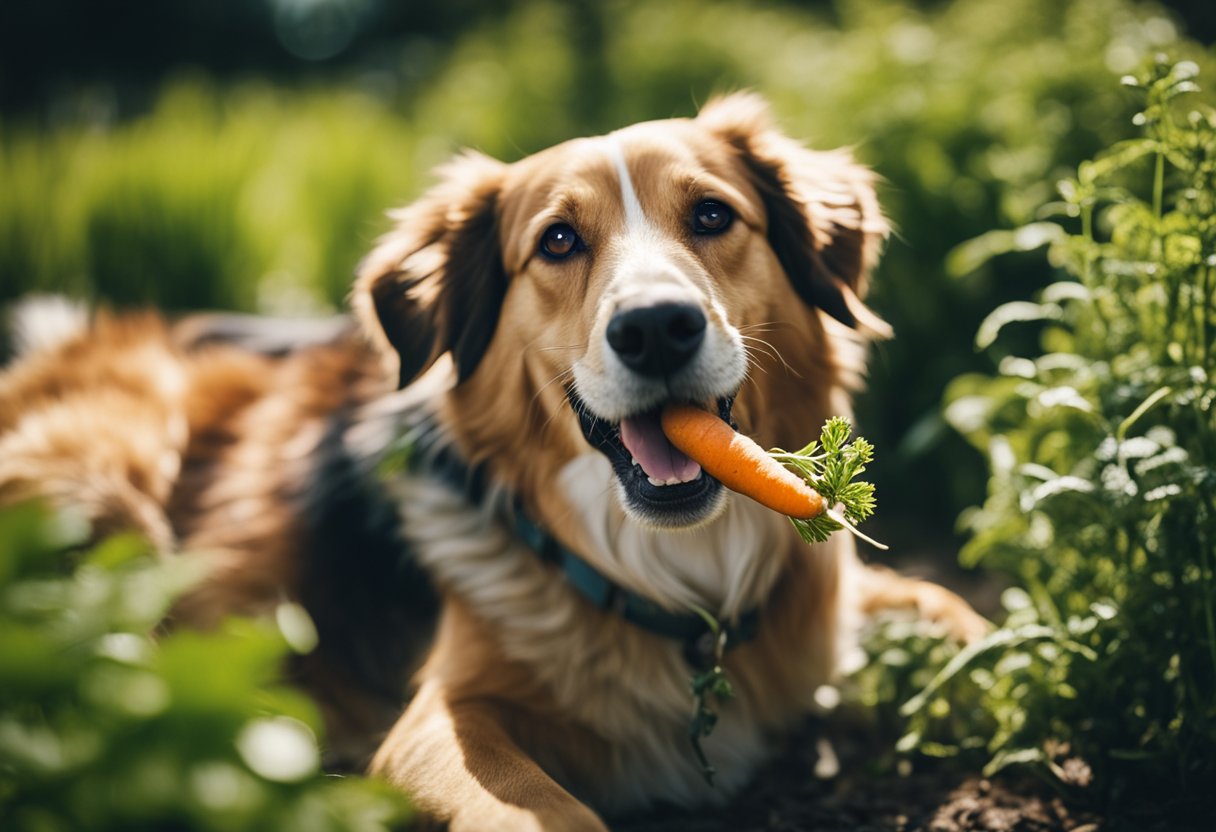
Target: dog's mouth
[(659, 484)]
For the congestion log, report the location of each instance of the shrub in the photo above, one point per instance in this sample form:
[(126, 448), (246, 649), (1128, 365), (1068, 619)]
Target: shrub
[(248, 198), (1102, 496), (105, 726)]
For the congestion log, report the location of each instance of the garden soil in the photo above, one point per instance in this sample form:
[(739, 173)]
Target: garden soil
[(788, 796)]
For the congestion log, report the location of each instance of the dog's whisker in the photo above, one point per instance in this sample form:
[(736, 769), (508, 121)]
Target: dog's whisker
[(753, 365), (568, 372), (775, 353), (551, 419), (769, 325), (756, 340), (762, 350), (758, 345), (744, 331), (566, 347)]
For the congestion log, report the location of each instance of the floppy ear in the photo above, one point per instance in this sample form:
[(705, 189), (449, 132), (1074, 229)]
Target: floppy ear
[(436, 282), (824, 223)]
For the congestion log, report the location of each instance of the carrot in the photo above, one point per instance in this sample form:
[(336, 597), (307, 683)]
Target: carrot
[(738, 462)]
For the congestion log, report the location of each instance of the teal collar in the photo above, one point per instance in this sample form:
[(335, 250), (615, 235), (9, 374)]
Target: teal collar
[(690, 628)]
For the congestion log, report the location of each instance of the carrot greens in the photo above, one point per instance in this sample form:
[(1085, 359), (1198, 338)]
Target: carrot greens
[(831, 465)]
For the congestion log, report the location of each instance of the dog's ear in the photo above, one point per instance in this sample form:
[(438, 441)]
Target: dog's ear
[(824, 223), (436, 282)]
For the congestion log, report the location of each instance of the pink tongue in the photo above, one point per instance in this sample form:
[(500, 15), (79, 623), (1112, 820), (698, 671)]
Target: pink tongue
[(643, 437)]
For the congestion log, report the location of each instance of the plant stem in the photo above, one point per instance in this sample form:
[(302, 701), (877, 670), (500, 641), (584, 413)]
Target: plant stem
[(1087, 231), (784, 456), (1207, 569), (1158, 192), (1205, 311), (1087, 276)]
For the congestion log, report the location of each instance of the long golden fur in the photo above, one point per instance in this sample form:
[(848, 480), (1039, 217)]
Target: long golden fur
[(531, 707)]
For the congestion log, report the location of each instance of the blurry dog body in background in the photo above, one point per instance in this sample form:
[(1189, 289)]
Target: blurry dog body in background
[(535, 316)]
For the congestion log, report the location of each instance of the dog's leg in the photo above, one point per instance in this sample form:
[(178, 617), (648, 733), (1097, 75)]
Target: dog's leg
[(884, 589), (460, 767)]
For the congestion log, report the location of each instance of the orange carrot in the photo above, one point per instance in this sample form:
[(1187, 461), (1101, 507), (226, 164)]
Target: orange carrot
[(738, 462)]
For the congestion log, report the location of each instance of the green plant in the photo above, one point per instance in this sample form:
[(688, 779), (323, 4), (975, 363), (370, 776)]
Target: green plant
[(240, 198), (106, 726), (1102, 497)]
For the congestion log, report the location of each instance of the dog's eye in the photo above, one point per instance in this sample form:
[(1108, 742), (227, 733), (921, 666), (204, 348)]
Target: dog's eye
[(711, 217), (559, 241)]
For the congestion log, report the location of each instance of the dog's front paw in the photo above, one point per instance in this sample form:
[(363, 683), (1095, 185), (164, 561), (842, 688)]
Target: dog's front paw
[(883, 589), (944, 608), (566, 818)]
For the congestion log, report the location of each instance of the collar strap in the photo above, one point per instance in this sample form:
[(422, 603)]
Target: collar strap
[(687, 627)]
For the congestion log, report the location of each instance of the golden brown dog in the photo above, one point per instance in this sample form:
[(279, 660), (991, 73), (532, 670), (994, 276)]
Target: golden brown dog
[(534, 562)]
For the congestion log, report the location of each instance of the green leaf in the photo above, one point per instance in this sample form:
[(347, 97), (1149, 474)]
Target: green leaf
[(1005, 758), (1119, 156), (1144, 407), (1053, 489), (1066, 290), (118, 550), (967, 258), (1018, 311), (996, 639)]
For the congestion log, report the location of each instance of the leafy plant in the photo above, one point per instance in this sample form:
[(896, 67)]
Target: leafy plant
[(1102, 496), (106, 726), (831, 465)]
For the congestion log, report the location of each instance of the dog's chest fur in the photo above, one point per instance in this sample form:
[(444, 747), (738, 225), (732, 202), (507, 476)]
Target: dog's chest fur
[(627, 687)]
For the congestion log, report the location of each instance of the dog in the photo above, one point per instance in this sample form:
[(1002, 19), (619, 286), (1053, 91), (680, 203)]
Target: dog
[(468, 488)]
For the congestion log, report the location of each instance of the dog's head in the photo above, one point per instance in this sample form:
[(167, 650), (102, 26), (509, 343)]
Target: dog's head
[(580, 289)]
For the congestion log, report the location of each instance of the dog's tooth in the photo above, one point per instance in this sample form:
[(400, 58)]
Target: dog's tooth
[(654, 481)]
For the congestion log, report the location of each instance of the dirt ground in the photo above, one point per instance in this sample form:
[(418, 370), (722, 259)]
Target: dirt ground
[(787, 796)]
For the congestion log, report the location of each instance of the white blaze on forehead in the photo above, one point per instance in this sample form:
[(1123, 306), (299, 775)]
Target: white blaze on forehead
[(647, 266), (635, 219)]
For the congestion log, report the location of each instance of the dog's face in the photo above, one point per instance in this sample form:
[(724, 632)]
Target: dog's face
[(581, 289)]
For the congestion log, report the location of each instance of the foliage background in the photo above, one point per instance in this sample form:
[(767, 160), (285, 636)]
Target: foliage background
[(241, 154), (1101, 445)]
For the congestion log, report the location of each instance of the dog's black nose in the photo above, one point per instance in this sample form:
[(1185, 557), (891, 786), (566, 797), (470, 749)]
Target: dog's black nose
[(657, 340)]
